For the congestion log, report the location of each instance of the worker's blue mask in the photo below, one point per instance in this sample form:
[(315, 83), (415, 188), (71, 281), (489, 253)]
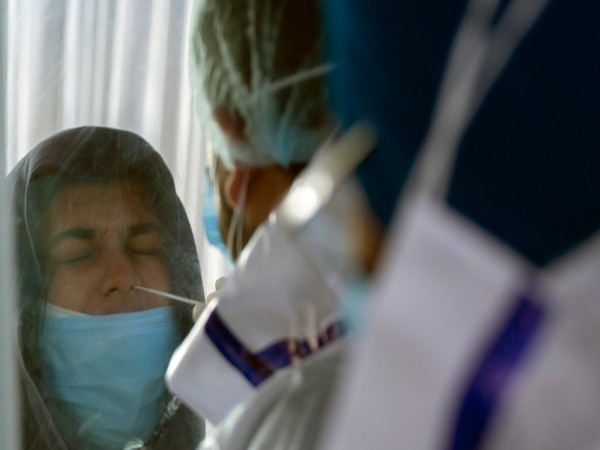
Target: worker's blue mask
[(210, 220), (103, 376)]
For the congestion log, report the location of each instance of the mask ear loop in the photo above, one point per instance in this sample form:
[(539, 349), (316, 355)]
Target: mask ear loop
[(235, 232)]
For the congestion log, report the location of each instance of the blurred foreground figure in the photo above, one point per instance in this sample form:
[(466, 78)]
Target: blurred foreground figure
[(97, 213), (484, 323)]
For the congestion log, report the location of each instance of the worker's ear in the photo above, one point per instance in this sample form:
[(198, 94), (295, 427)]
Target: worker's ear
[(234, 183), (233, 127), (232, 124)]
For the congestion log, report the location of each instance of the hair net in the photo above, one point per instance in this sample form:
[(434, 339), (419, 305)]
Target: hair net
[(260, 60)]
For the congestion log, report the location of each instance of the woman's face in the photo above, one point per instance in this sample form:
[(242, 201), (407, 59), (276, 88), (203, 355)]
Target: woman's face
[(102, 239)]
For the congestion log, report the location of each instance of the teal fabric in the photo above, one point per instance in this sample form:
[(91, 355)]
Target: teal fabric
[(528, 164)]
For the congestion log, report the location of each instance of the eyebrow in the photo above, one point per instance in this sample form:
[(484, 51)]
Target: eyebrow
[(88, 234)]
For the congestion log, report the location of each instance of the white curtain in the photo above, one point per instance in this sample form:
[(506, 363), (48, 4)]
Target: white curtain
[(117, 63)]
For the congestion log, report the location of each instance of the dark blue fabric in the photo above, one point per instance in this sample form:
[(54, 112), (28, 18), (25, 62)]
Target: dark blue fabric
[(234, 351), (257, 367), (492, 375), (528, 164), (388, 65)]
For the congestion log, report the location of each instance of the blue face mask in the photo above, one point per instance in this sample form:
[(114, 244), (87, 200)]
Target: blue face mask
[(354, 302), (103, 376), (210, 220)]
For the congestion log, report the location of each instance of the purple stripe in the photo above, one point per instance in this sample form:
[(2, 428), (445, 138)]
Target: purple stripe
[(257, 367), (494, 373)]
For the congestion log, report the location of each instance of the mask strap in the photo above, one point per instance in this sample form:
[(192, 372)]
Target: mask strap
[(290, 80), (479, 54), (53, 310), (236, 227)]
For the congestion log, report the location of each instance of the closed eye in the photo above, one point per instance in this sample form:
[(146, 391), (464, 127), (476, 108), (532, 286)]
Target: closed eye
[(72, 246), (145, 239), (73, 259), (71, 253)]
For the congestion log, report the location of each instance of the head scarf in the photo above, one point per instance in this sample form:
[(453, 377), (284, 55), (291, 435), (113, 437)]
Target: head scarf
[(93, 154)]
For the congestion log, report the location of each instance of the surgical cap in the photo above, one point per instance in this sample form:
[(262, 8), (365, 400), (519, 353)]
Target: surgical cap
[(260, 60)]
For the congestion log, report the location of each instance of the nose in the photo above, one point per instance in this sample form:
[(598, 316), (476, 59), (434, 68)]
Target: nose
[(120, 273)]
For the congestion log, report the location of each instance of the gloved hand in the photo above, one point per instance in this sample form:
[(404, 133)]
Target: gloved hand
[(219, 285)]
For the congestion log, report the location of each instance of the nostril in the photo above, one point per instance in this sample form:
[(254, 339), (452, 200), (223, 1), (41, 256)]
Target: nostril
[(120, 275)]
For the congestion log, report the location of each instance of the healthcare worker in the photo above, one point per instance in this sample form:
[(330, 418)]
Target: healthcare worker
[(258, 85), (485, 329), (268, 347), (96, 213)]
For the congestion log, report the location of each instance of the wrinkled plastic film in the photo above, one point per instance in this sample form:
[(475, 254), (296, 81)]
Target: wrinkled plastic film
[(9, 425), (95, 199)]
